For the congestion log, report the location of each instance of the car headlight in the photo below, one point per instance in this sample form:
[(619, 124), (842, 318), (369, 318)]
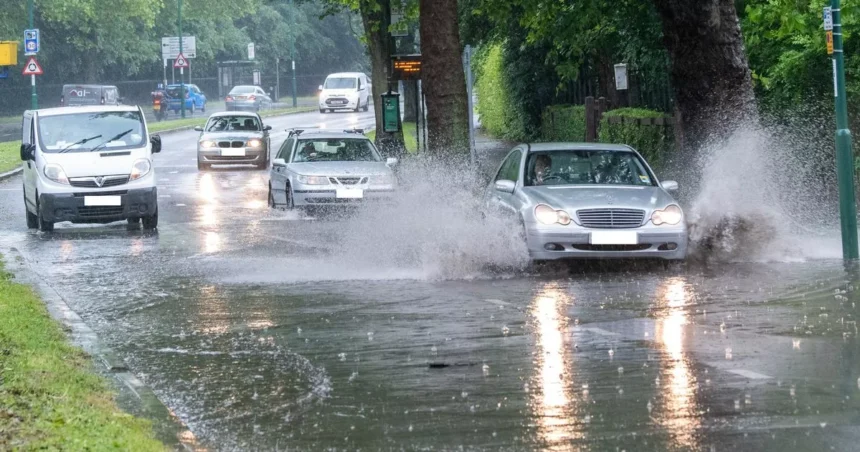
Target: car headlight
[(547, 215), (671, 215), (207, 144), (55, 173), (381, 179), (140, 168), (312, 180), (254, 143)]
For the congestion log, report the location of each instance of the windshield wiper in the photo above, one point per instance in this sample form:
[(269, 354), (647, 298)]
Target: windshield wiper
[(76, 143), (114, 138)]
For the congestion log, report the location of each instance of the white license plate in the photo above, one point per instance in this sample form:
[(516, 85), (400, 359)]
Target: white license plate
[(102, 201), (238, 152), (614, 238), (338, 102), (349, 193)]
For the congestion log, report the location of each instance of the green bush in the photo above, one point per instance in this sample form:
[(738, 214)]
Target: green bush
[(563, 123), (653, 142), (494, 104)]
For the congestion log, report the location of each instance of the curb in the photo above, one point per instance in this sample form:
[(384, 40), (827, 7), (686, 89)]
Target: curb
[(9, 174), (81, 335)]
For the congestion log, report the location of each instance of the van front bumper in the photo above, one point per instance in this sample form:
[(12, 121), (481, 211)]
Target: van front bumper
[(135, 203)]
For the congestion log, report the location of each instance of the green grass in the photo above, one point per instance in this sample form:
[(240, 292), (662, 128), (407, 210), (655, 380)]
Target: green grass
[(409, 138), (161, 126), (49, 395), (10, 155)]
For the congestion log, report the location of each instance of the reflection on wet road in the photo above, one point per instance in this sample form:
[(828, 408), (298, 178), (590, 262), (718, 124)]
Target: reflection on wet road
[(260, 332)]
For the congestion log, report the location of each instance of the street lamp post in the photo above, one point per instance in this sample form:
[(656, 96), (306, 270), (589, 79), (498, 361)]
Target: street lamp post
[(34, 96), (293, 53), (844, 153), (181, 70)]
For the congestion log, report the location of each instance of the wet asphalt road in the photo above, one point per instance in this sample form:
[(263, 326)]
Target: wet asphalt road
[(278, 331)]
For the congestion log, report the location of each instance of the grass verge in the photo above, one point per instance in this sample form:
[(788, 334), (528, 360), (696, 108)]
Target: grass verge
[(50, 397), (409, 137), (10, 155)]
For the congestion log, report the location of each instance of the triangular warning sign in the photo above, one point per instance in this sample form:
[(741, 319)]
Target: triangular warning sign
[(32, 67), (180, 61)]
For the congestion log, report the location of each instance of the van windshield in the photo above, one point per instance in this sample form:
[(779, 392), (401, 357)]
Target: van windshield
[(66, 133), (340, 83)]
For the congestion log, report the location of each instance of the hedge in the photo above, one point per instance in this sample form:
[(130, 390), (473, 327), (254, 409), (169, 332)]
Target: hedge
[(494, 104), (653, 142), (563, 123)]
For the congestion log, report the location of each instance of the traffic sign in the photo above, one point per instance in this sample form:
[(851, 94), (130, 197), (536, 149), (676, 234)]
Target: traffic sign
[(31, 42), (828, 18), (180, 62), (32, 67), (251, 52), (170, 47)]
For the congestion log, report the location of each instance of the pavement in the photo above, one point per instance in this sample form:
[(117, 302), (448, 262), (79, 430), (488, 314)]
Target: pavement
[(417, 327)]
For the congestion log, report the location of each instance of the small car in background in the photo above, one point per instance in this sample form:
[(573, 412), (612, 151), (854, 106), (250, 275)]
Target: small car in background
[(195, 100), (316, 168), (345, 90), (247, 98), (587, 200), (85, 95), (233, 138)]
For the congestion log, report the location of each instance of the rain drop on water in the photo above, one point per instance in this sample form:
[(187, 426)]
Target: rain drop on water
[(611, 353), (620, 370), (342, 356), (464, 394), (649, 406), (434, 350), (747, 399), (505, 330), (370, 335), (792, 391), (728, 353), (737, 404), (299, 330), (410, 427), (486, 370)]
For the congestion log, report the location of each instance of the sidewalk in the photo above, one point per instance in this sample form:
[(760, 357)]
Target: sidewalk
[(490, 152)]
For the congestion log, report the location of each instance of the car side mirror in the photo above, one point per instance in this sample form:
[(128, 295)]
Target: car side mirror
[(320, 88), (156, 144), (198, 128), (279, 163), (669, 185), (505, 186), (267, 128), (391, 161), (27, 151)]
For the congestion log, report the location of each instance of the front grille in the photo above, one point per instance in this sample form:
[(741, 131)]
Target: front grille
[(228, 158), (348, 180), (90, 182), (231, 144), (337, 101), (610, 218), (100, 211), (587, 247), (103, 193)]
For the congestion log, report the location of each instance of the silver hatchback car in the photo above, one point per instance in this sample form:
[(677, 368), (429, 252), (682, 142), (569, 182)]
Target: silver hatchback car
[(588, 200), (329, 168)]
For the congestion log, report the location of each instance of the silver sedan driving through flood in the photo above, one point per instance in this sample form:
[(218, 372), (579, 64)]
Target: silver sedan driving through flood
[(233, 139), (589, 201), (325, 168)]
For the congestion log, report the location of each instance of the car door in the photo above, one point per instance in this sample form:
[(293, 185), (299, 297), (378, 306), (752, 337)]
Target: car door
[(279, 175), (201, 97), (28, 136), (508, 171), (265, 100)]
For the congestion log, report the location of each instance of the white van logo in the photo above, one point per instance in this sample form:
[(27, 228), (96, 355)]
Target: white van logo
[(78, 92), (99, 180)]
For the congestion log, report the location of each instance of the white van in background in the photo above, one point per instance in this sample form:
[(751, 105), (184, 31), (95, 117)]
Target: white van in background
[(88, 165), (345, 90)]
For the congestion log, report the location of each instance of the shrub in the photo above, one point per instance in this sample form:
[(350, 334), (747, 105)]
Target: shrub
[(652, 141), (494, 104), (563, 123)]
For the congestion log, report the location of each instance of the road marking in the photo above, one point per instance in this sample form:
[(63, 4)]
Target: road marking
[(749, 374), (180, 205), (163, 196), (599, 331), (174, 172)]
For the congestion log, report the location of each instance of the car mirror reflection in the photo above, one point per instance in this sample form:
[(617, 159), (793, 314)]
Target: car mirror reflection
[(279, 163), (505, 186), (669, 185)]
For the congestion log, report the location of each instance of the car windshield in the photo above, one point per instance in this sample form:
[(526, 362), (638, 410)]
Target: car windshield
[(243, 90), (233, 123), (174, 91), (62, 132), (587, 167), (340, 83), (335, 150)]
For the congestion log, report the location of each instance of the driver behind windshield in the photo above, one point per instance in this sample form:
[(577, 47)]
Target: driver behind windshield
[(543, 167)]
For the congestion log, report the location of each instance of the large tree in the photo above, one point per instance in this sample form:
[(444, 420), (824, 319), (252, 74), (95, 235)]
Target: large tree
[(443, 78), (710, 72)]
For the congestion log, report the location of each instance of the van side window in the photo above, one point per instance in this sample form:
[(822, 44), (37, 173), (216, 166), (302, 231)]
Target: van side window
[(32, 130), (26, 130)]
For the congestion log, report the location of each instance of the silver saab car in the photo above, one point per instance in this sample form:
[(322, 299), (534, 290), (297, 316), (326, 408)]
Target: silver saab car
[(588, 200), (329, 168), (233, 138)]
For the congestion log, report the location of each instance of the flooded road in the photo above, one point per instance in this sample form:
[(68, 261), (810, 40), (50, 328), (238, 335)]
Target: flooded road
[(278, 331)]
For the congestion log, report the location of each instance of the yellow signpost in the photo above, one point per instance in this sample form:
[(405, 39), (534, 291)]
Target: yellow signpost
[(830, 43), (8, 53)]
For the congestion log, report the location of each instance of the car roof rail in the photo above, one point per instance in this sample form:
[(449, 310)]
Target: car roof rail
[(354, 130), (298, 130)]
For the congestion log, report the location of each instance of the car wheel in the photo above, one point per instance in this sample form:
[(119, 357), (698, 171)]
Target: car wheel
[(271, 200), (290, 204), (358, 106), (203, 166), (366, 106), (192, 108), (151, 222), (203, 108), (44, 226), (322, 110)]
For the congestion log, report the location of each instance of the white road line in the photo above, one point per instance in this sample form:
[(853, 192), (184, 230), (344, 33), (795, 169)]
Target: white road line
[(749, 374), (180, 205), (595, 330)]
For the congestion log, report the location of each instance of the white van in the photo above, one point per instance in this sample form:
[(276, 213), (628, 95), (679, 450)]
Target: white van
[(88, 165), (345, 90)]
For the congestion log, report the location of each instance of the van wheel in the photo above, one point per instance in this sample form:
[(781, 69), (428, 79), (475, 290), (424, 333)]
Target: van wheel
[(133, 223), (44, 226), (151, 222), (358, 105), (366, 106)]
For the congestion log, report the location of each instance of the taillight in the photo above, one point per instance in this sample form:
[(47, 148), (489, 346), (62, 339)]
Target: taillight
[(252, 97), (157, 102), (229, 98)]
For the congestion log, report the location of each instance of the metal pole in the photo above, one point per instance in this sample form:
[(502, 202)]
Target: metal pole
[(293, 53), (277, 79), (468, 62), (844, 153), (181, 71), (35, 97)]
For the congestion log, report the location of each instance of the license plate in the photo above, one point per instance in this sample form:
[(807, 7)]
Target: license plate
[(102, 201), (338, 102), (156, 107), (614, 238), (239, 152), (349, 193)]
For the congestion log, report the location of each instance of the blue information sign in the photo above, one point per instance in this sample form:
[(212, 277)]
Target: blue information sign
[(31, 42)]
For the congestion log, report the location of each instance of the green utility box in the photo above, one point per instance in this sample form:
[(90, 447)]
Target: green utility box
[(391, 113)]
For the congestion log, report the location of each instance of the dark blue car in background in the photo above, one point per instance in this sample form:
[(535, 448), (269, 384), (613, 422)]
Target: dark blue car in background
[(195, 100)]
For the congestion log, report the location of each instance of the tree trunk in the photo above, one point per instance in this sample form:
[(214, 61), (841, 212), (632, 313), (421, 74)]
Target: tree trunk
[(444, 80), (710, 72), (410, 100), (376, 17)]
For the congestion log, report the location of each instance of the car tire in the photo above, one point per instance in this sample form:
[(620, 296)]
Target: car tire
[(203, 108), (271, 199), (358, 106), (44, 226), (322, 111), (192, 109), (366, 106), (32, 220), (290, 204), (133, 223), (151, 222)]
